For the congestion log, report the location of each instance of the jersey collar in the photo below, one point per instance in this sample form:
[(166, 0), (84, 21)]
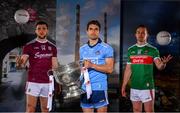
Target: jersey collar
[(41, 41), (141, 45), (99, 41)]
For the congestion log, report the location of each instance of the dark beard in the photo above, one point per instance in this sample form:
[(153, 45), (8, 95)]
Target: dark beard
[(41, 37), (94, 39)]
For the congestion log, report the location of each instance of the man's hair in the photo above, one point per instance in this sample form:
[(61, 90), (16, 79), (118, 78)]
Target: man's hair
[(142, 26), (41, 23), (95, 22)]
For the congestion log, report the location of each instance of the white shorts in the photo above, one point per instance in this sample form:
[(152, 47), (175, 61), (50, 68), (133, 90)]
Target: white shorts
[(37, 89), (142, 95)]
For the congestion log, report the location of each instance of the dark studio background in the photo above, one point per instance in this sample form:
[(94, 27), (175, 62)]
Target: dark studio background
[(157, 15)]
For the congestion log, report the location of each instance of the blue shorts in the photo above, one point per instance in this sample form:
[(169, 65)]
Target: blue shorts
[(98, 99)]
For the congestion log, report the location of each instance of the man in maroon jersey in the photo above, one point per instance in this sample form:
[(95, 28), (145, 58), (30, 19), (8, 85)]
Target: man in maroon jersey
[(42, 56)]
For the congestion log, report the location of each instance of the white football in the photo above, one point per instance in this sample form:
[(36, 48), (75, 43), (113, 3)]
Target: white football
[(163, 38), (21, 16)]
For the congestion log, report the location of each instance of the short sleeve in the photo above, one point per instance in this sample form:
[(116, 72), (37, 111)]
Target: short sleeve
[(54, 52), (80, 54), (156, 54), (109, 52), (128, 56), (26, 50), (81, 57)]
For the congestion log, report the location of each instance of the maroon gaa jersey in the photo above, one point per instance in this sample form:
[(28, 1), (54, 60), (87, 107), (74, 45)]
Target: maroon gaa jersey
[(40, 60)]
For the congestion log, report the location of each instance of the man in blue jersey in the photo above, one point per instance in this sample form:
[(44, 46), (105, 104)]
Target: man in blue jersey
[(98, 59)]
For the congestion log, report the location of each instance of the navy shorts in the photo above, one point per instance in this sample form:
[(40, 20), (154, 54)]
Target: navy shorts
[(98, 99)]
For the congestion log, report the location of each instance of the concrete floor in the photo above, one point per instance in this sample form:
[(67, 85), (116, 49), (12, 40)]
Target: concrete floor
[(12, 97)]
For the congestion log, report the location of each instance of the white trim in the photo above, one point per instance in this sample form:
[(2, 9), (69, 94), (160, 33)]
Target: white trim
[(156, 58), (51, 43), (45, 40), (26, 55), (131, 46), (106, 95), (141, 45), (128, 63)]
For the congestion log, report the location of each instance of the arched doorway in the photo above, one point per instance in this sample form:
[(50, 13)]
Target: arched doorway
[(10, 43)]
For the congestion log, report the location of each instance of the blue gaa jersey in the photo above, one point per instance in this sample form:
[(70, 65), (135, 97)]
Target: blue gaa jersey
[(97, 55)]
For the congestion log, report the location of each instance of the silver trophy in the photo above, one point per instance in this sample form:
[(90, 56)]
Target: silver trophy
[(68, 76)]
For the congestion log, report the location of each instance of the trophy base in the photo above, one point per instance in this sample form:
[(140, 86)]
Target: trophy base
[(72, 93)]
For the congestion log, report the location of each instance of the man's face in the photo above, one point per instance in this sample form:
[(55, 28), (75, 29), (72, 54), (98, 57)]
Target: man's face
[(41, 31), (93, 32), (141, 34)]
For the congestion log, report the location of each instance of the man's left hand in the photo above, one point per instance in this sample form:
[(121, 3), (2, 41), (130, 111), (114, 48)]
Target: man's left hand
[(165, 60), (88, 64)]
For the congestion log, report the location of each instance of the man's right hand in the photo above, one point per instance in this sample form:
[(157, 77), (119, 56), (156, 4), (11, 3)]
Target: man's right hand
[(123, 91), (19, 62)]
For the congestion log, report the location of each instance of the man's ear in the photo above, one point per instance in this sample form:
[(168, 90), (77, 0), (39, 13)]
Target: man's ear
[(147, 34), (35, 31)]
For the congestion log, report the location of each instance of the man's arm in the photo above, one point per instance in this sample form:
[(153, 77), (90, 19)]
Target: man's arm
[(54, 67), (127, 75), (161, 62), (106, 68), (54, 63)]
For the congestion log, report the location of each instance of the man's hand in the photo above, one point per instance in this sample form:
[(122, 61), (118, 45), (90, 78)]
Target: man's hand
[(19, 62), (161, 62), (123, 91), (165, 60), (88, 64)]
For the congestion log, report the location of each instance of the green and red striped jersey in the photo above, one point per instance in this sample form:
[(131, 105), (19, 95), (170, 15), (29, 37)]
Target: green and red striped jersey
[(141, 59)]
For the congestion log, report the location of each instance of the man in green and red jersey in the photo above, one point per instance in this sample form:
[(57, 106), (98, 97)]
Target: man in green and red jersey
[(139, 68)]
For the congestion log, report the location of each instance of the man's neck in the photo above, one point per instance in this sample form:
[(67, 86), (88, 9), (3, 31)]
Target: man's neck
[(41, 40), (141, 43), (93, 42)]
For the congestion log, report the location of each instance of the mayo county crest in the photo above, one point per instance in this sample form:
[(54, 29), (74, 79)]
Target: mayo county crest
[(139, 51)]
